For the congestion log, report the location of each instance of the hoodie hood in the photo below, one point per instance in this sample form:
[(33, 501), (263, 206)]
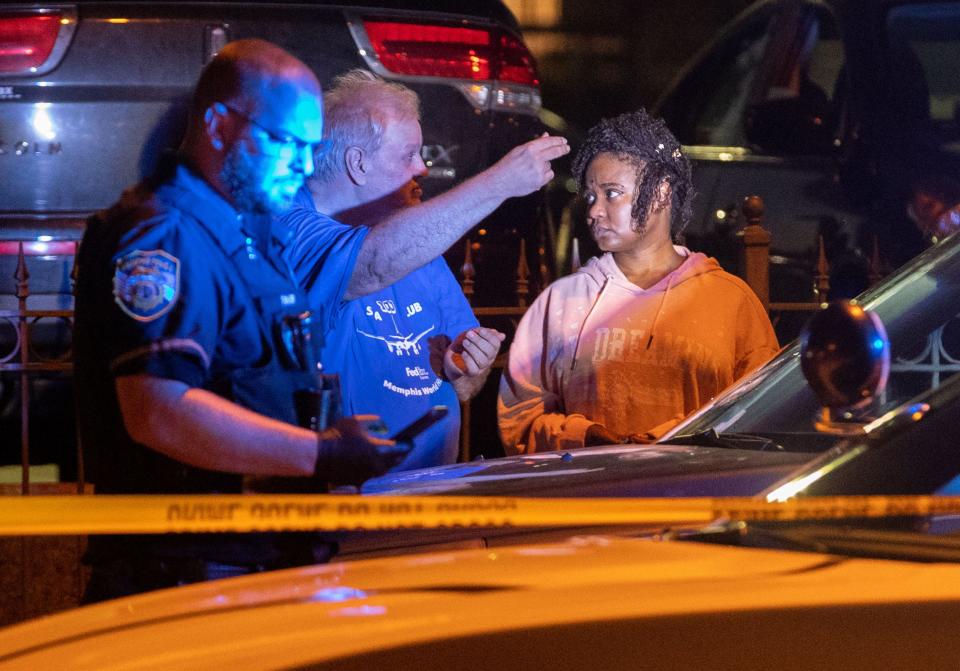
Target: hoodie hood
[(604, 269)]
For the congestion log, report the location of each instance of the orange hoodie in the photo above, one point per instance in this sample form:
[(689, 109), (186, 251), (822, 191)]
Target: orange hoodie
[(596, 348)]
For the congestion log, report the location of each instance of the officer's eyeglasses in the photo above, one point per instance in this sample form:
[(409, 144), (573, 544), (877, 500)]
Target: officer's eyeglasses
[(287, 145)]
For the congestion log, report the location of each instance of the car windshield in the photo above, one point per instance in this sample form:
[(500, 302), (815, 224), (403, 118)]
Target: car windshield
[(918, 304)]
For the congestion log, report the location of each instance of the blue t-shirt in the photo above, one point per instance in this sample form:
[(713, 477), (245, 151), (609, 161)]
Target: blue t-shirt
[(380, 344), (388, 348)]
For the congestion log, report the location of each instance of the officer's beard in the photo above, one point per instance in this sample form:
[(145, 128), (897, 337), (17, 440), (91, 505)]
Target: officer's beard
[(243, 177)]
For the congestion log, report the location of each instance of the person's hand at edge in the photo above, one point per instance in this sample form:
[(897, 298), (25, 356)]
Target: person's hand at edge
[(348, 453), (468, 359)]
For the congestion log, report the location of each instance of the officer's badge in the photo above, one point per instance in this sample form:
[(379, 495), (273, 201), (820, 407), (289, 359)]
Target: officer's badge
[(146, 284)]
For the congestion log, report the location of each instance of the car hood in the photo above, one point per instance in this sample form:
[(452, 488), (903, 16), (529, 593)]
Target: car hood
[(625, 470), (533, 599)]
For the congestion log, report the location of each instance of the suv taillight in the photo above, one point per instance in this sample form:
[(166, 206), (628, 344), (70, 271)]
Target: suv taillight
[(490, 65), (454, 52), (26, 41)]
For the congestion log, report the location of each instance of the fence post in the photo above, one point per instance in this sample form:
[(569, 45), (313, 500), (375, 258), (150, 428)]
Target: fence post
[(756, 249), (81, 466), (22, 275), (523, 275), (468, 272)]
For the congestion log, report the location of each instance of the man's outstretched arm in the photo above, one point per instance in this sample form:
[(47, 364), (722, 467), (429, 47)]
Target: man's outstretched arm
[(413, 236)]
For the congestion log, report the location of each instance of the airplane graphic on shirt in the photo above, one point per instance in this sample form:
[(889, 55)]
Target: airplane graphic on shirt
[(400, 345)]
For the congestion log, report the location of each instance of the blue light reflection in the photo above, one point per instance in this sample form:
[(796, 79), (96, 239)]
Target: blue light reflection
[(337, 594), (361, 611)]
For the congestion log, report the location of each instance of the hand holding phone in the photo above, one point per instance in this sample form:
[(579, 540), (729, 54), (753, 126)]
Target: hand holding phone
[(418, 426)]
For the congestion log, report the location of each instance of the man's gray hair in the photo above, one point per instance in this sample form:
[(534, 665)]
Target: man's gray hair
[(355, 111)]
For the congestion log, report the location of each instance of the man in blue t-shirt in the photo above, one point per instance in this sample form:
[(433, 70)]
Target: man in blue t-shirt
[(400, 342), (382, 344)]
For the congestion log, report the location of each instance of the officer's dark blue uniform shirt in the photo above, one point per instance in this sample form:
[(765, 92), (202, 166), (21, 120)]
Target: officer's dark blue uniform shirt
[(172, 283)]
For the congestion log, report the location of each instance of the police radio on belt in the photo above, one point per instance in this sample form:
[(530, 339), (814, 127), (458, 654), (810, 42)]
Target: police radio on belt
[(320, 407)]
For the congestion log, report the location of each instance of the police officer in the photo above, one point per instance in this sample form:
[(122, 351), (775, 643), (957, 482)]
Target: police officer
[(189, 342)]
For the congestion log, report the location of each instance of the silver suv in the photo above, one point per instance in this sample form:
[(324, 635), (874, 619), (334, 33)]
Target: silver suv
[(92, 93)]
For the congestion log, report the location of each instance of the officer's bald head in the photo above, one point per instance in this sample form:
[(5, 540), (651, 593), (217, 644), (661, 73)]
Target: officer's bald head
[(256, 116), (249, 74)]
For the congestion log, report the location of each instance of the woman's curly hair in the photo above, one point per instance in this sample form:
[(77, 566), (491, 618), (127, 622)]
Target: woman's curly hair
[(647, 144)]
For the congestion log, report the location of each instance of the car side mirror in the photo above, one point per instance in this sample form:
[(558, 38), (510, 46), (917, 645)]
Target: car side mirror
[(845, 357), (798, 125)]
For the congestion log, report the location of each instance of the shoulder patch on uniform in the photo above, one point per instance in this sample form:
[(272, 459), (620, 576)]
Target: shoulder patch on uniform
[(146, 284)]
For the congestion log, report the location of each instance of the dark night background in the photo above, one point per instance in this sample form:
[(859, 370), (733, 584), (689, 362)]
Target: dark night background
[(599, 58)]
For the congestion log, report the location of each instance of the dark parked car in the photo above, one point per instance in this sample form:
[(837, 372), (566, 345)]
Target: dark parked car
[(843, 115), (91, 93)]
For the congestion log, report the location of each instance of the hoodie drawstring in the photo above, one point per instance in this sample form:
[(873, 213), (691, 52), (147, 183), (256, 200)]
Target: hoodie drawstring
[(583, 324), (656, 315)]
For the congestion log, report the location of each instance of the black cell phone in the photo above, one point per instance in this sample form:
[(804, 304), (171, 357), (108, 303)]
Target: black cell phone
[(418, 426)]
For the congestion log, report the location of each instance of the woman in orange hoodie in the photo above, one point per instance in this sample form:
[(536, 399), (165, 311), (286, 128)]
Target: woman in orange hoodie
[(644, 334)]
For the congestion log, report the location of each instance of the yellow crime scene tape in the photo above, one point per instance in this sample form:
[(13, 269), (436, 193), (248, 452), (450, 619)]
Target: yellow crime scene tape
[(106, 514)]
